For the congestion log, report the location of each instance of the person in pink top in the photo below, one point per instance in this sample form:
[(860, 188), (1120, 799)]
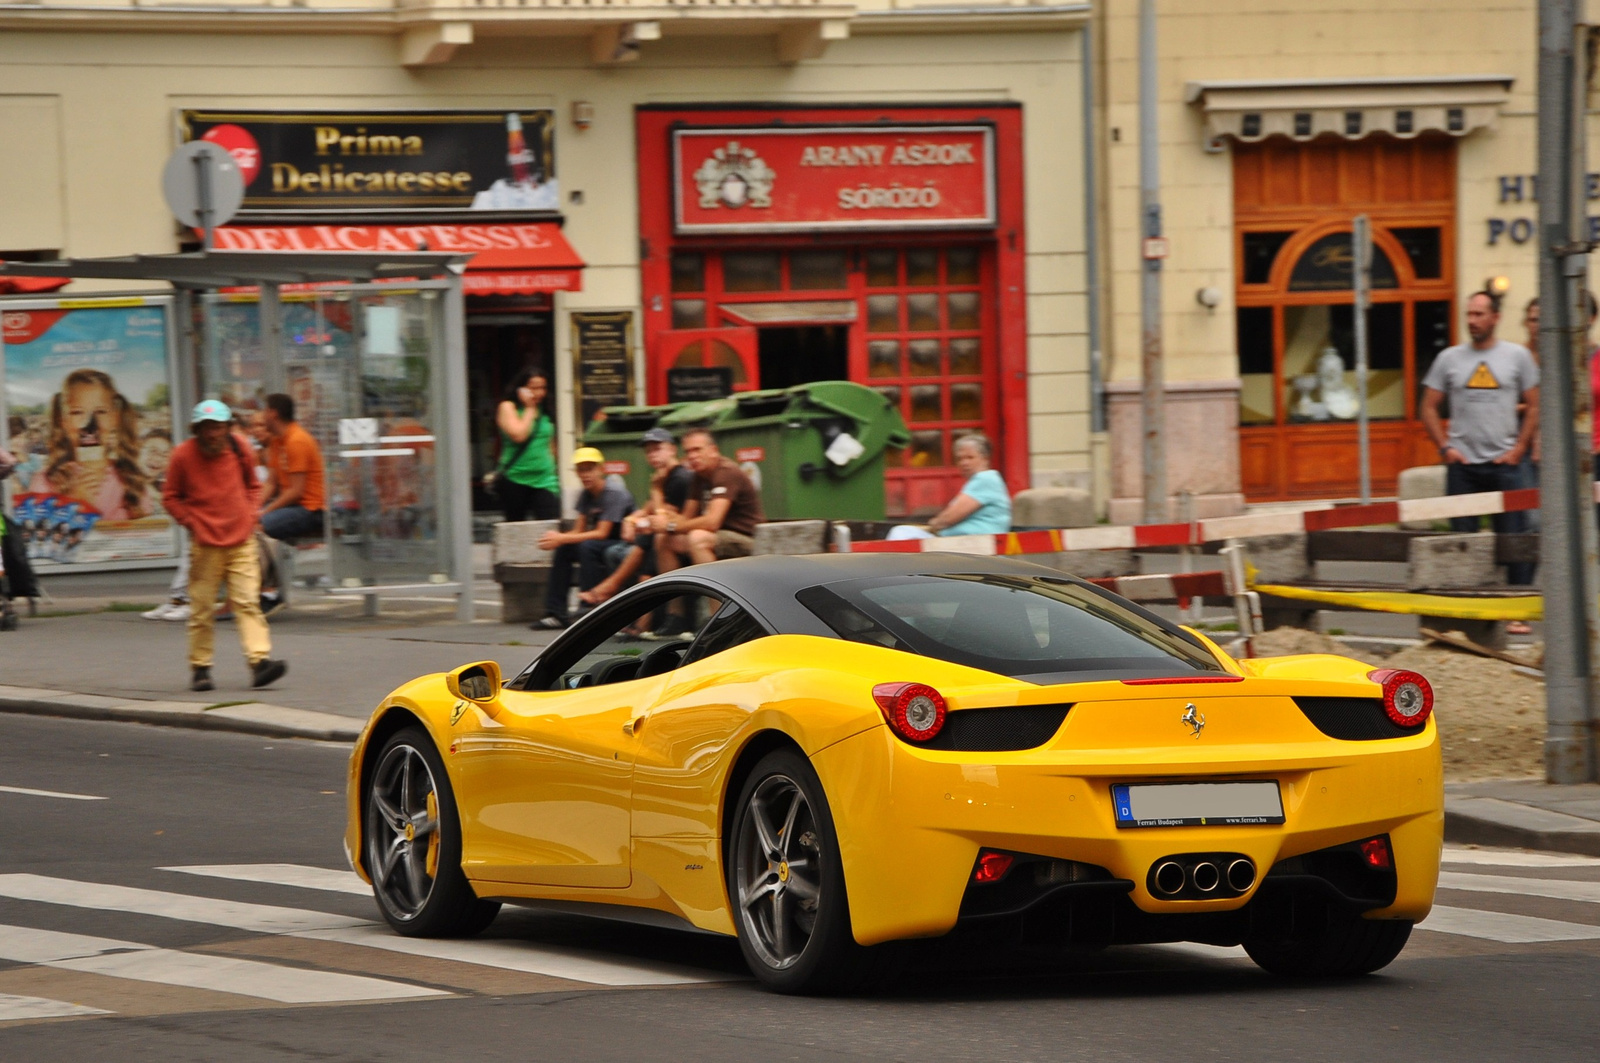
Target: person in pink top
[(94, 448)]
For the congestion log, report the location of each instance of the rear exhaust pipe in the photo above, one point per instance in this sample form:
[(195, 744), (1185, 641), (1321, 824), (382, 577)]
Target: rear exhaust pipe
[(1168, 878), (1241, 875), (1205, 876)]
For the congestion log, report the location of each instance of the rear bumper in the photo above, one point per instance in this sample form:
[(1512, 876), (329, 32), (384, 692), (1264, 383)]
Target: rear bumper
[(911, 823)]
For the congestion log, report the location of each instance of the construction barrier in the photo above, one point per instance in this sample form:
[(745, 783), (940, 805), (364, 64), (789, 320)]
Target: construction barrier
[(1314, 517), (1521, 607)]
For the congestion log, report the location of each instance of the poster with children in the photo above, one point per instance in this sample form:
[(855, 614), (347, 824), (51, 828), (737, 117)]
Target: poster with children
[(88, 409)]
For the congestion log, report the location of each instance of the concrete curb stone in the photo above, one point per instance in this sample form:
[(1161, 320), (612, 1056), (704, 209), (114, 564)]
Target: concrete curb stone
[(1491, 821), (274, 721)]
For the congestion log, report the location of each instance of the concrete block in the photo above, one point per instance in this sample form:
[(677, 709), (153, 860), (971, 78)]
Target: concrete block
[(1052, 507), (523, 602), (1452, 562), (1277, 558), (1089, 564), (518, 543), (1421, 481), (791, 537)]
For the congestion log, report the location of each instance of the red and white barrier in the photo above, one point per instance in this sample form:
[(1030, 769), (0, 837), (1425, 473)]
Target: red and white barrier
[(1177, 587), (1315, 517)]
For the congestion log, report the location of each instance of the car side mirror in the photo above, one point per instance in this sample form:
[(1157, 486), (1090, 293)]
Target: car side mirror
[(478, 682)]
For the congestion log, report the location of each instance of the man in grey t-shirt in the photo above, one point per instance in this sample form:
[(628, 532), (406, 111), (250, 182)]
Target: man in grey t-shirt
[(601, 506), (1486, 380)]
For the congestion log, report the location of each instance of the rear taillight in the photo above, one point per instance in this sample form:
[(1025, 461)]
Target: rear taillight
[(1407, 697), (915, 710)]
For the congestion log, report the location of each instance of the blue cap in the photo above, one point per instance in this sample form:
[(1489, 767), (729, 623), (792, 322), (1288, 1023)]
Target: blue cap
[(212, 410)]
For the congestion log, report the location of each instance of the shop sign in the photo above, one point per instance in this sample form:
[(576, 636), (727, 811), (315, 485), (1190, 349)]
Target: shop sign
[(88, 395), (602, 353), (697, 383), (808, 178), (434, 161)]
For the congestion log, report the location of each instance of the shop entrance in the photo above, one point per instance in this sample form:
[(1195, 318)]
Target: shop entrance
[(801, 354), (501, 341)]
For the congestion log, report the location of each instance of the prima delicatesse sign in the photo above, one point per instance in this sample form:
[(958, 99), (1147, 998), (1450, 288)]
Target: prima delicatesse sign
[(434, 161), (807, 178)]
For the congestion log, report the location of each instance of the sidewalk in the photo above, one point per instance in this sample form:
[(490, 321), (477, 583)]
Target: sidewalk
[(117, 665), (1524, 814)]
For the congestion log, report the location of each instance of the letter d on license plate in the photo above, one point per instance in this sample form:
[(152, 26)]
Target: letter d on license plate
[(1197, 804)]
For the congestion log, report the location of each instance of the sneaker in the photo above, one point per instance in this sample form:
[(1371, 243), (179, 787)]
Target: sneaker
[(223, 615), (673, 627), (201, 680), (268, 671), (272, 604), (549, 623), (168, 610)]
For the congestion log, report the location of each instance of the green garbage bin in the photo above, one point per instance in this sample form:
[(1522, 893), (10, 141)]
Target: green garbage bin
[(782, 439), (619, 433)]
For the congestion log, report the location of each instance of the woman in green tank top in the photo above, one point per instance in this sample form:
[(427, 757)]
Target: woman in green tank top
[(526, 477)]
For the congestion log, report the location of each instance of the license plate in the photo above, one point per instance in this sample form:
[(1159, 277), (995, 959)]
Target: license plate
[(1197, 804)]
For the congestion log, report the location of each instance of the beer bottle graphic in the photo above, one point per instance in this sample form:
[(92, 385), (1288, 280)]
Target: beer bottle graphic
[(517, 153)]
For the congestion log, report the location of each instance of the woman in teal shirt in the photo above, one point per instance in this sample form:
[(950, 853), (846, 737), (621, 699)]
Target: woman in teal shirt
[(983, 507), (525, 478)]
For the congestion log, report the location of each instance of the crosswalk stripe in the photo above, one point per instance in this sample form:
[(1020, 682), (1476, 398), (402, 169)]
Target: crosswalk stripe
[(1517, 858), (311, 878), (1504, 927), (13, 1007), (1556, 889), (25, 791), (146, 963), (510, 955), (251, 978), (260, 918)]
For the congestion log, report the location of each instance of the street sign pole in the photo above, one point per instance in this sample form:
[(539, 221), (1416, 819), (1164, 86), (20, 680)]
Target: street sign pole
[(1153, 249), (202, 184), (1361, 246), (1568, 536)]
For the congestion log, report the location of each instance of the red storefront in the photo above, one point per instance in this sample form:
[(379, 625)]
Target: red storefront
[(883, 245)]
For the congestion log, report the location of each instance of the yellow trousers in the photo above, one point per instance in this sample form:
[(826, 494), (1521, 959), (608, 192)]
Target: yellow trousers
[(210, 566)]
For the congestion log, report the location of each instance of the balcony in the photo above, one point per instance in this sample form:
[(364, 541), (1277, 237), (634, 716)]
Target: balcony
[(432, 31)]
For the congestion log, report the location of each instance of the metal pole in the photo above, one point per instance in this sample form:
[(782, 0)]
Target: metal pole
[(458, 466), (1091, 233), (1361, 245), (273, 376), (1568, 546), (1151, 249), (202, 181)]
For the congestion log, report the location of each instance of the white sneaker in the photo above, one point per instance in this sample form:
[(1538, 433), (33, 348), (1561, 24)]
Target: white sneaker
[(168, 611)]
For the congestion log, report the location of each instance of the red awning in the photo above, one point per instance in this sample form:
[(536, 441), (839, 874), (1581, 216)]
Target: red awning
[(31, 285), (512, 258)]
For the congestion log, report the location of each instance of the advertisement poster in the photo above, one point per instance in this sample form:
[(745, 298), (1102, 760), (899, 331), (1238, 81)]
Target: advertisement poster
[(425, 160), (88, 408)]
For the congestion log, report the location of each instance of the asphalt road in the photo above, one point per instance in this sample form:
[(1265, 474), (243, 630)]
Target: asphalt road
[(216, 964)]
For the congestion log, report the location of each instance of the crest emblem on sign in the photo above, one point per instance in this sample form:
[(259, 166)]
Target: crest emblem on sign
[(734, 177)]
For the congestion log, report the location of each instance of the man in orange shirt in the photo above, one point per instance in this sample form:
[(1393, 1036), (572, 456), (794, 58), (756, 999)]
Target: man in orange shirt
[(297, 493)]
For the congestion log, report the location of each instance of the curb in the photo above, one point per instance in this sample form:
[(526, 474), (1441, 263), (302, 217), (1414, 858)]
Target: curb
[(255, 718), (1508, 824)]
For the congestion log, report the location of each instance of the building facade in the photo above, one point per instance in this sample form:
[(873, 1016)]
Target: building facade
[(1280, 124), (659, 197)]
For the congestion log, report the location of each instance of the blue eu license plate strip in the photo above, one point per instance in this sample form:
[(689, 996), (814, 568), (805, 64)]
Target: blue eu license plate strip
[(1200, 804)]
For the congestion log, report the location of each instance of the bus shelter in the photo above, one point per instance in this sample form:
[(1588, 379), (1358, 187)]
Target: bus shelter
[(371, 347)]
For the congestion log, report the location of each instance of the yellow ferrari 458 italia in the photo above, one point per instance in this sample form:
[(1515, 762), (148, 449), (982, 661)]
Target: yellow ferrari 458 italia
[(825, 755)]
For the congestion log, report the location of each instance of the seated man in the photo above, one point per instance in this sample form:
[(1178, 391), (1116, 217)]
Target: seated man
[(635, 551), (601, 506), (720, 516), (296, 491), (983, 506)]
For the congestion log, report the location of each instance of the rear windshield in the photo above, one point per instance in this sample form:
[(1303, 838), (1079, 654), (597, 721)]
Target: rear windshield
[(1040, 629)]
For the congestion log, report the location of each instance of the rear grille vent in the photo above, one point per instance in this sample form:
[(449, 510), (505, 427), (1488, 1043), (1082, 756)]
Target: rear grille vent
[(1352, 719), (995, 730)]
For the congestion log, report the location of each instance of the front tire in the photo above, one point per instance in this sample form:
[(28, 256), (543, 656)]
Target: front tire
[(413, 844), (786, 884), (1339, 947)]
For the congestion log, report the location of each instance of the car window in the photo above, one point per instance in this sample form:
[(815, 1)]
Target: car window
[(647, 639), (1020, 626), (731, 627)]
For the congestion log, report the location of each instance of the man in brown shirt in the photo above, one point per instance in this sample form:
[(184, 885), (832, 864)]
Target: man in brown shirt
[(212, 491), (720, 516)]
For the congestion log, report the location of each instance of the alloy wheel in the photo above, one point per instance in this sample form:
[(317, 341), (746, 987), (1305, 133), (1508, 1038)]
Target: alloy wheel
[(778, 871), (403, 831)]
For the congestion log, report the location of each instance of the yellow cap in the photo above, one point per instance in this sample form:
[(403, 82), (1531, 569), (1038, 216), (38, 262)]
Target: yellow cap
[(584, 455)]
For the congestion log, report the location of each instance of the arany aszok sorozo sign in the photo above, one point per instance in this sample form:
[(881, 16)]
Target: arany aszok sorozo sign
[(806, 178)]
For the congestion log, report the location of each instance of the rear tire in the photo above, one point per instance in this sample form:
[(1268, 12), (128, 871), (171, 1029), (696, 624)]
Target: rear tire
[(786, 885), (1342, 947), (413, 844)]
